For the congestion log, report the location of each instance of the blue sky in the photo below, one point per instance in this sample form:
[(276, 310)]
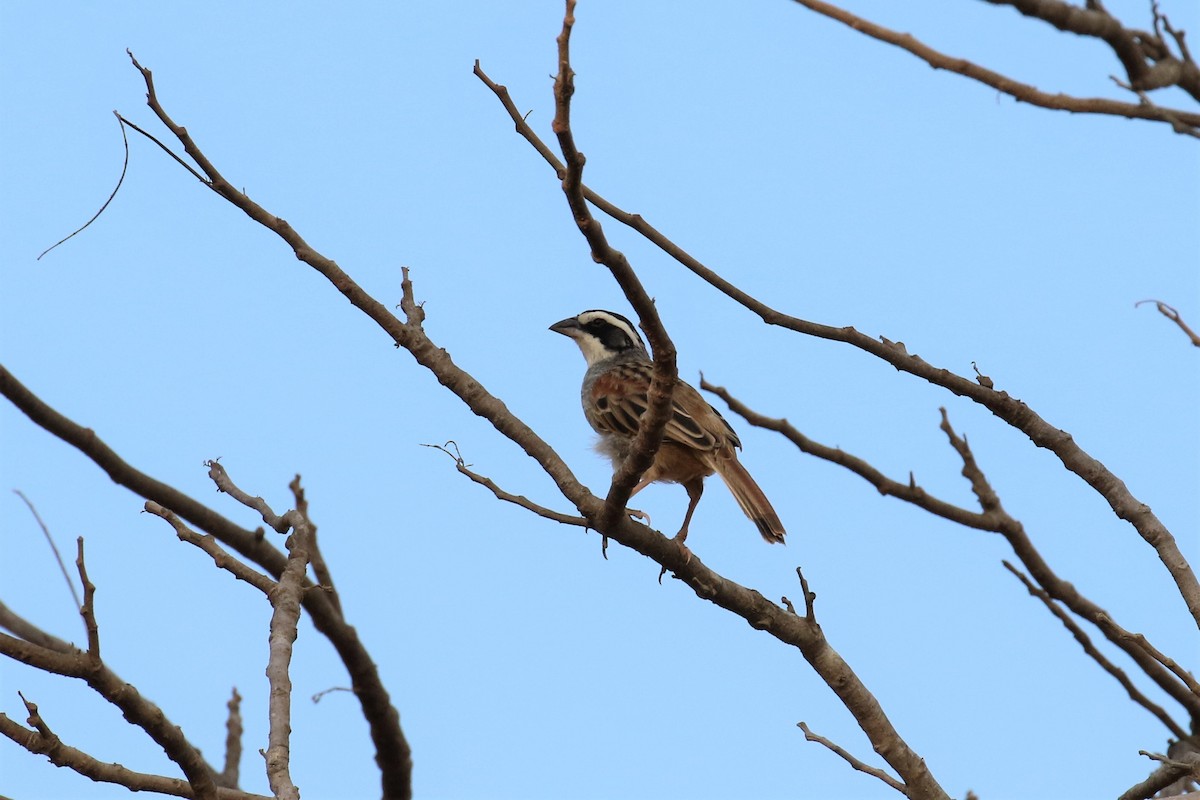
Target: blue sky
[(836, 178)]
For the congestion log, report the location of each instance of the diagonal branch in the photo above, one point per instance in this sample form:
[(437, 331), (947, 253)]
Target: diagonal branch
[(1170, 313), (1162, 670), (858, 764), (1135, 646), (43, 741), (1086, 643), (1022, 92)]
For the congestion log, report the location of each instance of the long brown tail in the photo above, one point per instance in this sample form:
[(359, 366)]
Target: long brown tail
[(751, 498)]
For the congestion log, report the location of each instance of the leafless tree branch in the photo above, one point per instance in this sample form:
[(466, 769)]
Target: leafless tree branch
[(1086, 643), (136, 709), (43, 741), (233, 742), (1020, 91), (220, 557), (1009, 409), (516, 499), (745, 602), (88, 609), (1182, 769), (54, 547), (851, 760), (1170, 313), (285, 600), (665, 374), (995, 519), (392, 752)]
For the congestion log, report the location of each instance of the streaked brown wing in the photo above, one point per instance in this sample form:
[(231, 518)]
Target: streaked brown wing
[(619, 400)]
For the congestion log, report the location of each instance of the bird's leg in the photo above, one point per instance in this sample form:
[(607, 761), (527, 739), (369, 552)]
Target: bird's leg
[(633, 512), (694, 488)]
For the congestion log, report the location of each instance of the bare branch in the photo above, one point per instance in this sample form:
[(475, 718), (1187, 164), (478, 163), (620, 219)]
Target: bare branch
[(1014, 532), (515, 499), (24, 629), (1020, 91), (220, 557), (908, 492), (1173, 315), (1146, 58), (315, 557), (994, 518), (136, 709), (392, 752), (1086, 643), (233, 742), (96, 216), (1172, 770), (88, 609), (43, 741), (285, 600), (665, 374), (851, 760), (1009, 409), (54, 547)]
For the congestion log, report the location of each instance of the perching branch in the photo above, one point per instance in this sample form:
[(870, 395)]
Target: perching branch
[(665, 374)]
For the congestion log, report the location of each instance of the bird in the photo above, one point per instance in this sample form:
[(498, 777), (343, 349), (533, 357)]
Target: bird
[(697, 441)]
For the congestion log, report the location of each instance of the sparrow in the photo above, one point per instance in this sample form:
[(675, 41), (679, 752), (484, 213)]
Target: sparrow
[(697, 441)]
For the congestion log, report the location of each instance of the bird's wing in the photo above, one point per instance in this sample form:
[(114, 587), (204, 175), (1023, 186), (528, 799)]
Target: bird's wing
[(619, 399)]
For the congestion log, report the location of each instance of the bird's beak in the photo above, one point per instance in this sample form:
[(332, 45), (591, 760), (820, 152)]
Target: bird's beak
[(567, 327)]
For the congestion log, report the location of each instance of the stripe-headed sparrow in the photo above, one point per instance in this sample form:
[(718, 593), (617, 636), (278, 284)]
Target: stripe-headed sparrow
[(697, 441)]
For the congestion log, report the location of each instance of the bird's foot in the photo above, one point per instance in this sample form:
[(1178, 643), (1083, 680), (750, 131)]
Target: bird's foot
[(678, 539), (642, 515)]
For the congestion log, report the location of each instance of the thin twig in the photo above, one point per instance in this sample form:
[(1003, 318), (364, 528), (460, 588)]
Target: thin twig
[(851, 760), (1020, 91), (1086, 643), (1170, 313), (508, 497), (54, 547), (221, 557), (233, 742), (88, 609), (117, 188), (320, 567)]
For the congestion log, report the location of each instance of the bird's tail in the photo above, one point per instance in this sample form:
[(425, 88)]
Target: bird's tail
[(751, 498)]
